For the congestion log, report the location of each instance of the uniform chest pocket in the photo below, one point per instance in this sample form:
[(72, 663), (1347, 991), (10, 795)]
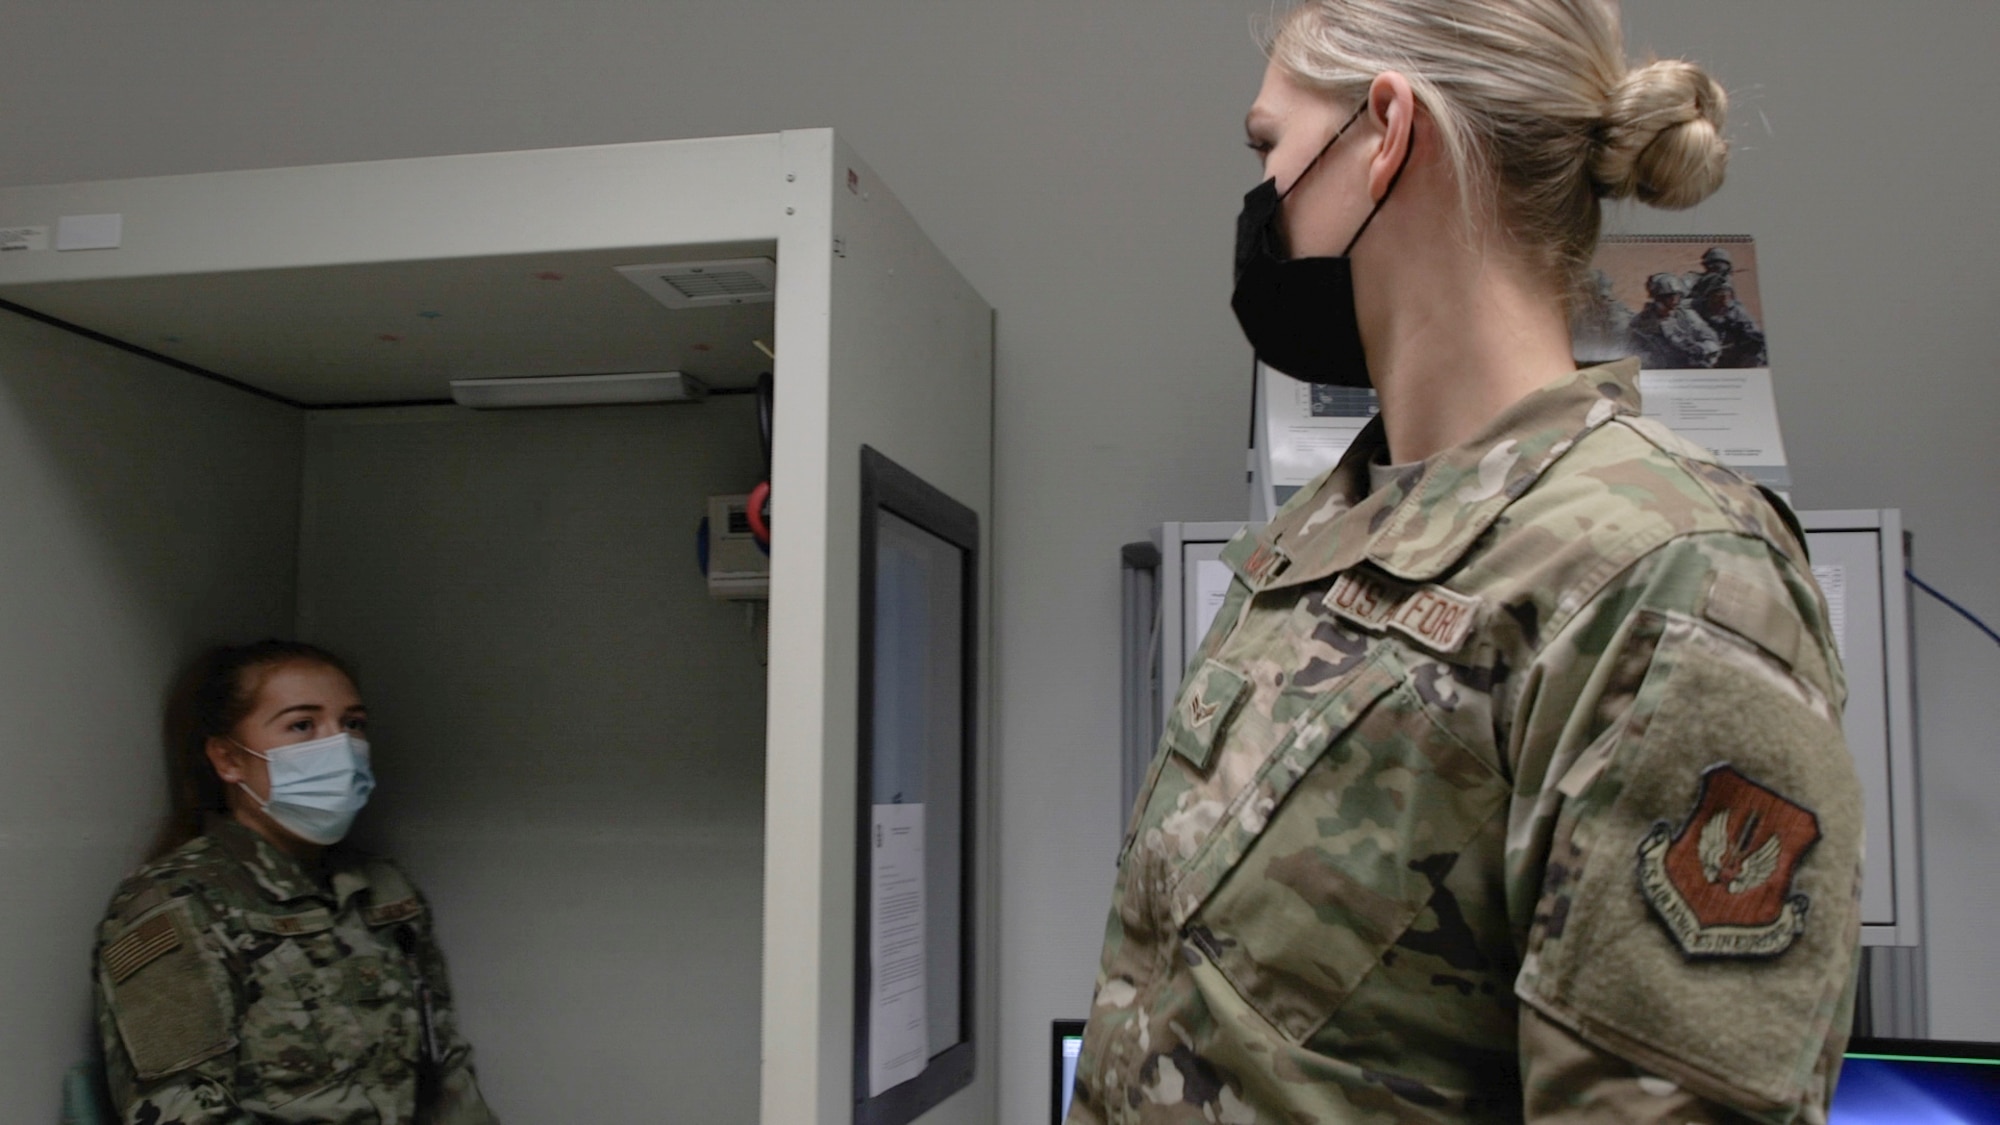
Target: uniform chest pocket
[(1332, 853), (1207, 703), (299, 1028)]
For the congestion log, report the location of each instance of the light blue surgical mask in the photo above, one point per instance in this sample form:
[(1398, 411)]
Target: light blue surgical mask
[(317, 787)]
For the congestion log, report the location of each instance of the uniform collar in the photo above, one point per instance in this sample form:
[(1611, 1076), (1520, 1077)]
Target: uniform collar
[(1417, 526), (280, 877)]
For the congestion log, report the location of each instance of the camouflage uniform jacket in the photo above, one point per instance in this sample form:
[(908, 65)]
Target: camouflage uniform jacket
[(232, 987), (1513, 790)]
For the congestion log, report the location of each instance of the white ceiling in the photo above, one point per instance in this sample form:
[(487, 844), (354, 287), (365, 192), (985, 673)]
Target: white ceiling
[(401, 331)]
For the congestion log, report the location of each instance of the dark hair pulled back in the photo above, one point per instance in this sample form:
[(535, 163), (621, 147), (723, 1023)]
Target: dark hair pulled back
[(212, 693)]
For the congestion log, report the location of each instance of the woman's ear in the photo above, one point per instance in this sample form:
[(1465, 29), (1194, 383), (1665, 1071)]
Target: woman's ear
[(1392, 108), (222, 756)]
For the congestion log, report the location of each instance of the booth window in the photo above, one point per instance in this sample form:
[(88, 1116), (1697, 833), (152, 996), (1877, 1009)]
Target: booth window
[(914, 905)]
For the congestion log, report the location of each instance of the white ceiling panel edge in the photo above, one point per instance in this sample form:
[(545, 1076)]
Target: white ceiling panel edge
[(653, 193)]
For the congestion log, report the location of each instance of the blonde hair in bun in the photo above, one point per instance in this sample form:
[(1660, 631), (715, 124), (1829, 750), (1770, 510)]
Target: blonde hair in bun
[(1538, 115), (1663, 136)]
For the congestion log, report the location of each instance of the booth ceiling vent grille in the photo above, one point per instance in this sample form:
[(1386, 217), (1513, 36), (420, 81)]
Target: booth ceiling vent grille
[(696, 285)]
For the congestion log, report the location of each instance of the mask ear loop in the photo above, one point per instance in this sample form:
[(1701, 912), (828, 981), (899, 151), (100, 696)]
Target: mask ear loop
[(247, 750), (1314, 162), (1390, 190), (261, 802)]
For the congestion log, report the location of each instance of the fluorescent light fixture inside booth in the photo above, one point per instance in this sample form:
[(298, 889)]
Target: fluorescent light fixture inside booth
[(577, 390)]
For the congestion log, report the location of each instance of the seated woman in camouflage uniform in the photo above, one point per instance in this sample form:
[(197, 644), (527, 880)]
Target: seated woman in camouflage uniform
[(1509, 782), (256, 970)]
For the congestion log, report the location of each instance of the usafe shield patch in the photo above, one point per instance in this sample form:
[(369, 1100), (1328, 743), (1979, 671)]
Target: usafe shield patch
[(148, 942), (1430, 615), (1722, 884)]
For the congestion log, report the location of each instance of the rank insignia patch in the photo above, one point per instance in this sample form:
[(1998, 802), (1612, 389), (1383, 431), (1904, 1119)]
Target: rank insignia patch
[(1200, 711), (1212, 693), (1722, 883)]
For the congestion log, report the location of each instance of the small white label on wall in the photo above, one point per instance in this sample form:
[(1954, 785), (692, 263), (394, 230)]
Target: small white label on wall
[(90, 232), (23, 238)]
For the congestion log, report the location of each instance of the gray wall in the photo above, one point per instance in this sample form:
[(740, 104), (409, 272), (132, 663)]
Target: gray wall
[(569, 734), (1079, 163), (146, 512)]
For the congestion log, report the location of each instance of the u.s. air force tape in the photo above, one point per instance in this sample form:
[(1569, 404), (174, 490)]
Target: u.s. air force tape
[(1433, 616)]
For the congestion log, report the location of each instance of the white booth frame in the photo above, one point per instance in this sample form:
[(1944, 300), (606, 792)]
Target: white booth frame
[(878, 341)]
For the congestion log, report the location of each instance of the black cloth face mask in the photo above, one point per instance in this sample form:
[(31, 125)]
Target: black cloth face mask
[(1298, 314)]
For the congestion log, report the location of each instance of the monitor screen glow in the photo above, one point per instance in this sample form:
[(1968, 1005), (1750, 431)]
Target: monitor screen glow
[(1882, 1082), (1918, 1083), (1067, 1041)]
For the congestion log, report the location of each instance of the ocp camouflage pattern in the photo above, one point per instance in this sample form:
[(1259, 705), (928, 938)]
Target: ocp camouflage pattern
[(1385, 866), (231, 987)]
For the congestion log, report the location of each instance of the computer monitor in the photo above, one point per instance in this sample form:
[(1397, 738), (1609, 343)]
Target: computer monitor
[(1882, 1082), (1066, 1044), (1918, 1082)]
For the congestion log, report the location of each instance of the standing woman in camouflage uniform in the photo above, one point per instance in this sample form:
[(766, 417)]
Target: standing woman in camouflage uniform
[(255, 970), (1509, 783)]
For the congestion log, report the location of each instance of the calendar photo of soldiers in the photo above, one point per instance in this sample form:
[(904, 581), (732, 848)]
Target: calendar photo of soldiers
[(1668, 334), (1602, 324), (1679, 303), (1713, 294)]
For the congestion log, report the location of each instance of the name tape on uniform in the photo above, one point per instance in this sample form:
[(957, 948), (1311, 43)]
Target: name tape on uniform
[(400, 911), (1430, 615), (1266, 562)]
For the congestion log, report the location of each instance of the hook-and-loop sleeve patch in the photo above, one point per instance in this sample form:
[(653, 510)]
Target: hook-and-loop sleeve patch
[(1699, 916), (170, 1000)]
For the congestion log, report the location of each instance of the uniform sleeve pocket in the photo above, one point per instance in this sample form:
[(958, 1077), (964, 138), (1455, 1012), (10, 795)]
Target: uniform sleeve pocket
[(1371, 801), (1699, 915), (171, 1003)]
